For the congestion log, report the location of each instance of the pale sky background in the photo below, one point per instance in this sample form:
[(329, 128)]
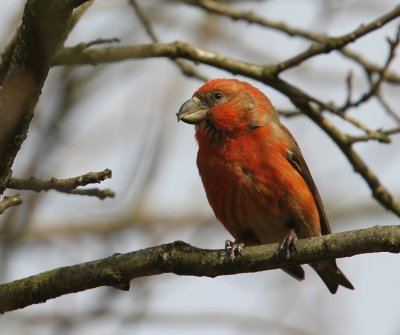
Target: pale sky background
[(128, 103)]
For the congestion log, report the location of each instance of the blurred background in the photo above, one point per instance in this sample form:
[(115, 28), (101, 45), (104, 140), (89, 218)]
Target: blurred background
[(121, 116)]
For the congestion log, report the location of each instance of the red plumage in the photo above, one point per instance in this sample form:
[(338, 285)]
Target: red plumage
[(253, 172)]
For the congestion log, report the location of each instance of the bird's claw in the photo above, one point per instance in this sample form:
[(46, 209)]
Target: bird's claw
[(288, 245), (233, 249)]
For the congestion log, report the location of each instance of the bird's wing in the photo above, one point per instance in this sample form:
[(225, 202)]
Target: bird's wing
[(295, 158)]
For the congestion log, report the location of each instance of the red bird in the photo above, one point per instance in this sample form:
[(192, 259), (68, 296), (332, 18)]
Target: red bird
[(254, 174)]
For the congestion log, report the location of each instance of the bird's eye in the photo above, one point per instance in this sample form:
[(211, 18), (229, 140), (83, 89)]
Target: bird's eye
[(217, 96)]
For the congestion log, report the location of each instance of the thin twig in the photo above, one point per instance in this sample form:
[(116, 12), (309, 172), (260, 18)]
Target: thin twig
[(248, 16), (288, 113), (303, 101), (92, 192), (389, 109), (349, 85), (366, 138), (10, 201), (68, 185), (97, 41), (77, 14), (372, 134), (336, 43), (185, 67), (375, 85)]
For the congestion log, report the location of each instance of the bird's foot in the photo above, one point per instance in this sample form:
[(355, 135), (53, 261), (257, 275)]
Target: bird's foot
[(233, 249), (288, 245)]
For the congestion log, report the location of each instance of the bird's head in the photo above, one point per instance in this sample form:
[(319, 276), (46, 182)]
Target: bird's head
[(227, 106)]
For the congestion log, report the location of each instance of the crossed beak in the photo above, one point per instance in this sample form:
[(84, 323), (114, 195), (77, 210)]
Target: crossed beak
[(192, 111)]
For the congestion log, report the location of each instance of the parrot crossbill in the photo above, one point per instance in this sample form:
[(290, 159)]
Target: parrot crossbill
[(254, 174)]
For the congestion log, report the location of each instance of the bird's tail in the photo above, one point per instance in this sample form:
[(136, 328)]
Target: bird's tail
[(296, 271), (331, 275)]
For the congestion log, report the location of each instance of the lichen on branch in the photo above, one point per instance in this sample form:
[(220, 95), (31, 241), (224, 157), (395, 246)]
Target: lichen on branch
[(183, 259)]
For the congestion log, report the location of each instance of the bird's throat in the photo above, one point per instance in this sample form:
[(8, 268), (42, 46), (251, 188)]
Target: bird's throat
[(207, 132)]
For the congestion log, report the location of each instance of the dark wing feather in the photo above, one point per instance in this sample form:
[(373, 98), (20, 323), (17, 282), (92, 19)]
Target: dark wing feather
[(295, 157)]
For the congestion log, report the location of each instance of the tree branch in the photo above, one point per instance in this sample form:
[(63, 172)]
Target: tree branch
[(365, 138), (183, 259), (68, 185), (42, 30), (252, 18), (8, 202), (386, 106), (305, 103), (336, 43), (183, 64), (382, 74), (78, 56)]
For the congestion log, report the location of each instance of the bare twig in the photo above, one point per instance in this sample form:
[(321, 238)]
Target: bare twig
[(77, 14), (97, 41), (185, 67), (289, 112), (365, 138), (8, 202), (302, 101), (373, 135), (92, 192), (183, 259), (65, 185), (248, 16), (349, 84), (375, 85), (336, 43), (389, 109), (146, 23)]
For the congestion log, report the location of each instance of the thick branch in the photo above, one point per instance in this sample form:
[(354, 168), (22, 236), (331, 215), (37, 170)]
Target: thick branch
[(183, 259), (42, 30), (82, 56)]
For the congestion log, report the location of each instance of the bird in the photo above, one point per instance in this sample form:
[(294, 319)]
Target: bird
[(254, 174)]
